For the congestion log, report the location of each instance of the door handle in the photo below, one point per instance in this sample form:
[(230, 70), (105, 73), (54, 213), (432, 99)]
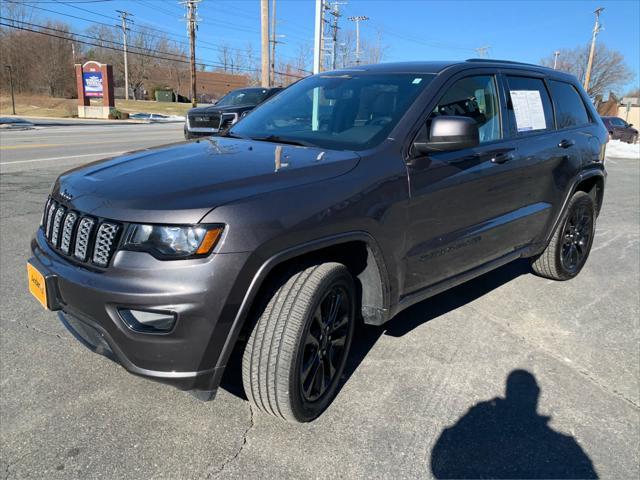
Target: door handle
[(566, 143), (502, 157)]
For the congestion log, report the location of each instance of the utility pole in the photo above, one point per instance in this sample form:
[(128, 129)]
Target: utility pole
[(335, 11), (272, 80), (317, 36), (264, 40), (483, 51), (596, 29), (358, 19), (123, 17), (556, 54), (274, 40), (13, 100), (192, 26)]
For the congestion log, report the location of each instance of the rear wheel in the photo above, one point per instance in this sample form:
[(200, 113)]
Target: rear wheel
[(570, 246), (297, 351)]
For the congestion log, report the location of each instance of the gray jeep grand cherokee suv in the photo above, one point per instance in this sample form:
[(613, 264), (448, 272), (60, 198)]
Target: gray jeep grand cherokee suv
[(350, 195)]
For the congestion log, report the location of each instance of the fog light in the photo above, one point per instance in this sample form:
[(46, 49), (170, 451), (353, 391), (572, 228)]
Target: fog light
[(148, 321)]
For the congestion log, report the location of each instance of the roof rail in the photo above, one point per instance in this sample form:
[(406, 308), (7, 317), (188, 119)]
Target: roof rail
[(495, 60)]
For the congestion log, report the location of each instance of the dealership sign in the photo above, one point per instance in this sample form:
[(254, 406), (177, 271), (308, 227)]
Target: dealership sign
[(96, 98), (92, 84)]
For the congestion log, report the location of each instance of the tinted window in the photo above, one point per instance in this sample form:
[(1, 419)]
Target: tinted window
[(473, 97), (529, 106), (243, 97), (570, 110), (618, 122), (343, 112)]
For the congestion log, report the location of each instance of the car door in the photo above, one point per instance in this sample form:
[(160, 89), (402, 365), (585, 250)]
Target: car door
[(467, 207), (556, 156)]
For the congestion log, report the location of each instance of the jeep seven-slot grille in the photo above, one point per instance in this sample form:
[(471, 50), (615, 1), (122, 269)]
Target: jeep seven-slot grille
[(85, 238)]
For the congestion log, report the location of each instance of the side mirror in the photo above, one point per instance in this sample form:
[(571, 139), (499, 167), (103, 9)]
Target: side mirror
[(629, 125), (450, 133)]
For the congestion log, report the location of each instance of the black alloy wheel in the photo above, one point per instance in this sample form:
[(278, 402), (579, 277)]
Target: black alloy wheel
[(576, 238), (324, 346)]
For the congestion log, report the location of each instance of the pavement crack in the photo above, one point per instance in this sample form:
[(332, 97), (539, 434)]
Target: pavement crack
[(37, 330), (239, 451), (7, 470)]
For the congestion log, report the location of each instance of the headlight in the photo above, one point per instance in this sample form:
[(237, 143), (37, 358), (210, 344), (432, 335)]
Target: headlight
[(173, 242)]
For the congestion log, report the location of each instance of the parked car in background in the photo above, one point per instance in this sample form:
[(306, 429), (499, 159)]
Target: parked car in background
[(620, 130), (348, 197), (211, 119)]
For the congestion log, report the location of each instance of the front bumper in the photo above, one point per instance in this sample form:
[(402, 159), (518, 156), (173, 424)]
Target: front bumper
[(199, 291)]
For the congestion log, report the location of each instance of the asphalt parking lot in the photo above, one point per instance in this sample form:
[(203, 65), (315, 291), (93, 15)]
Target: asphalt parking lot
[(508, 375)]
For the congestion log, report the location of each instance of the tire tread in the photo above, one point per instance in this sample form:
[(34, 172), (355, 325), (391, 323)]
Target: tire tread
[(272, 345)]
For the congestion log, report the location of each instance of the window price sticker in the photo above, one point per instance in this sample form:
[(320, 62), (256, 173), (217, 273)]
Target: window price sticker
[(528, 109)]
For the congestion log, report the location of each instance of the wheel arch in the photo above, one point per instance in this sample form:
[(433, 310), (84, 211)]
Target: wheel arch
[(593, 185), (357, 250)]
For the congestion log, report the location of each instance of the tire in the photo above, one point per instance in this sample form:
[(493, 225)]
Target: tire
[(287, 338), (570, 245)]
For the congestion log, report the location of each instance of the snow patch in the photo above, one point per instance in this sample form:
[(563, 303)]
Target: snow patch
[(618, 149)]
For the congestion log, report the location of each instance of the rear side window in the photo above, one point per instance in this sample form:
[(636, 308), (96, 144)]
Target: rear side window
[(529, 106), (570, 109)]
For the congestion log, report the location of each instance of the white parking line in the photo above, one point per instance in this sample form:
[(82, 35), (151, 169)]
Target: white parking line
[(106, 154)]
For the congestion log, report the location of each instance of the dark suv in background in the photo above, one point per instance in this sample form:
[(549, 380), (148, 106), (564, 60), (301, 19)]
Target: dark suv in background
[(349, 196), (620, 130), (211, 119)]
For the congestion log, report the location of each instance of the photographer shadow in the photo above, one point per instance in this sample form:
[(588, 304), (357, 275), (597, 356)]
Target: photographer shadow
[(507, 438)]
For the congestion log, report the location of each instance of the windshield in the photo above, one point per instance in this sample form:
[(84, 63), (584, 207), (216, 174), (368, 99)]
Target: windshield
[(243, 97), (341, 112)]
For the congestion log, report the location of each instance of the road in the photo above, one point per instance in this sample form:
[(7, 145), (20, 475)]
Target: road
[(423, 397), (77, 144)]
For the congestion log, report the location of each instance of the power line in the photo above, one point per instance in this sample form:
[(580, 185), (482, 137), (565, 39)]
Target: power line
[(163, 33), (84, 42)]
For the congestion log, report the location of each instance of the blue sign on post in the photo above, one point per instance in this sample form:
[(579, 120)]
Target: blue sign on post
[(92, 84)]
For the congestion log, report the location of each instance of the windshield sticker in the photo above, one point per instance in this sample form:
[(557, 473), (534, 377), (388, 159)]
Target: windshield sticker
[(528, 109), (416, 81)]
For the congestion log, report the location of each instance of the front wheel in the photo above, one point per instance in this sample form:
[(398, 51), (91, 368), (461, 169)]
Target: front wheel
[(570, 245), (296, 353)]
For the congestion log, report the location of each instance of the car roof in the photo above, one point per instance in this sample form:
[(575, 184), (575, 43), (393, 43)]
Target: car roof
[(435, 67)]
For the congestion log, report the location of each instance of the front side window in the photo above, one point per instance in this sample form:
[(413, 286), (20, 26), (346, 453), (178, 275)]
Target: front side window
[(343, 112), (473, 97), (570, 110), (528, 106), (618, 122)]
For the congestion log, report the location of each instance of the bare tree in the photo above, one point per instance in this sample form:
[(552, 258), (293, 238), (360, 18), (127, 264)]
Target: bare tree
[(225, 56), (40, 56), (609, 71), (374, 51), (177, 70)]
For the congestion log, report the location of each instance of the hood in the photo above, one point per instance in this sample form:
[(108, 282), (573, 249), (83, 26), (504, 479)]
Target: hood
[(221, 109), (180, 183)]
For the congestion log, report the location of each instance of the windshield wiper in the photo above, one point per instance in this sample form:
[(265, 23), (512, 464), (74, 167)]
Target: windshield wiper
[(277, 139)]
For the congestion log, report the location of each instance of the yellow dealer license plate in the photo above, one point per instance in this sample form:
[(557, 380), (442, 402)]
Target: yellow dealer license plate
[(37, 284)]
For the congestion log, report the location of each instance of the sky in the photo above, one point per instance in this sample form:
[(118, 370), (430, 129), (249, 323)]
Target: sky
[(411, 29)]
